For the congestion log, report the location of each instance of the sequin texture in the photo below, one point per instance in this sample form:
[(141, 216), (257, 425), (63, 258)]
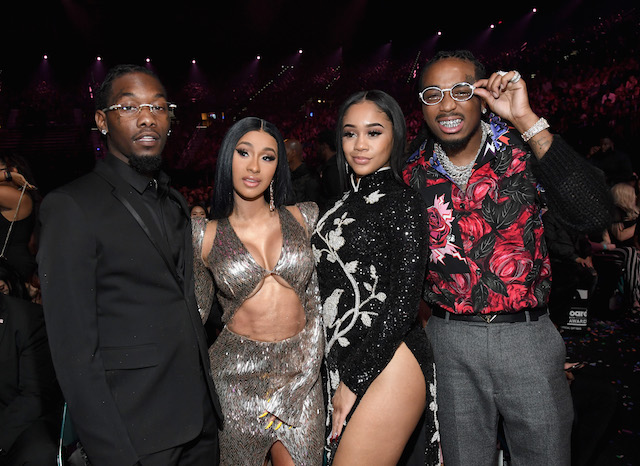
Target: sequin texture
[(252, 376), (371, 256)]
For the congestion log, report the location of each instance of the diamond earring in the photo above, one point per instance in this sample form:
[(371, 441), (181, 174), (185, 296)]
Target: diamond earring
[(272, 205)]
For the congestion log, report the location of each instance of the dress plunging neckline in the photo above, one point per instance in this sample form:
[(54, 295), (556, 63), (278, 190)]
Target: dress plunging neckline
[(253, 259)]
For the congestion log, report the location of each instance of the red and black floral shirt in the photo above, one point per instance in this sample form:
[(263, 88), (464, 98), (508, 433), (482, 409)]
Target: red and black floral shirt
[(487, 250)]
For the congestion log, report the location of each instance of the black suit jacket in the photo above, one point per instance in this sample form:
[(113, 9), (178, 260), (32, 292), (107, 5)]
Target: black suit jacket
[(126, 337), (28, 388)]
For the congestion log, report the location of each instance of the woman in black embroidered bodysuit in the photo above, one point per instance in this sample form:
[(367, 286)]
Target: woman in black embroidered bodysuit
[(266, 361), (371, 257)]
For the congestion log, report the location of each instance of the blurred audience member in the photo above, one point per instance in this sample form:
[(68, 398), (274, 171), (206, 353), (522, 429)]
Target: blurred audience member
[(306, 185), (30, 399), (18, 208), (198, 211), (616, 165), (330, 187), (571, 266), (622, 231)]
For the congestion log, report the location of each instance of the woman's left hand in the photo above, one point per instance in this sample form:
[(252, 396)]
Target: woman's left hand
[(19, 180), (342, 401)]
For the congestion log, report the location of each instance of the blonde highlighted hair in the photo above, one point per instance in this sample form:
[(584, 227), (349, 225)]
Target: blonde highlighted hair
[(624, 196)]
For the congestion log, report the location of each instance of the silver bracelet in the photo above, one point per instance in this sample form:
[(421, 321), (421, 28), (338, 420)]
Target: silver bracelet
[(539, 125)]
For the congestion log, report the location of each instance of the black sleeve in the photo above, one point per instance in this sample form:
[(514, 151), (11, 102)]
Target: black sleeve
[(67, 261), (574, 190)]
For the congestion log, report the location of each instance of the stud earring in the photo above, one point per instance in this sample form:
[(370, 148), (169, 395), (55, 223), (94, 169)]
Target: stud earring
[(168, 133), (272, 204), (104, 132)]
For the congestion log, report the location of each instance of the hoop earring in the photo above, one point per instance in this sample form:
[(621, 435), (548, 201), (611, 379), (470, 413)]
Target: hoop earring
[(272, 204)]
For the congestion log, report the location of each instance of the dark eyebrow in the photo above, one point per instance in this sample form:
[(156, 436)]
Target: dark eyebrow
[(370, 125), (251, 145)]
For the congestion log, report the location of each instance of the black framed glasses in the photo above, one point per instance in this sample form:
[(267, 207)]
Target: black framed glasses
[(131, 111), (459, 92)]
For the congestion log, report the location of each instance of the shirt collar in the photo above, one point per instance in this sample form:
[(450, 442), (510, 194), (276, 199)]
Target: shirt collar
[(497, 140), (137, 180), (373, 179)]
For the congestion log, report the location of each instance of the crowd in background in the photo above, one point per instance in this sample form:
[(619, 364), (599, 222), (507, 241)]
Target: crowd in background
[(584, 81)]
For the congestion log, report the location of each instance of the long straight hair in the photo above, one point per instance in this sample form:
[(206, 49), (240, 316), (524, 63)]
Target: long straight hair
[(223, 200), (391, 108)]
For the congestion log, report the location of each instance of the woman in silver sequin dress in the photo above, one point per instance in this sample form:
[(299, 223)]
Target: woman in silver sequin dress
[(266, 361), (371, 255)]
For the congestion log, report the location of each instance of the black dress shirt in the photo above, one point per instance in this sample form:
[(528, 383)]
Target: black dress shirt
[(166, 211)]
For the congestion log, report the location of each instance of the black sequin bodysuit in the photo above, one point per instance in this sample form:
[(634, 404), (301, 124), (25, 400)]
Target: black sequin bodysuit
[(283, 377), (371, 258)]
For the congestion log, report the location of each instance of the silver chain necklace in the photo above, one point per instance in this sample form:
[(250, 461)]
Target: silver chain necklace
[(461, 174)]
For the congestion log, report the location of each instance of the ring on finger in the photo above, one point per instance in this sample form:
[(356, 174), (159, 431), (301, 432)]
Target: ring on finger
[(501, 73), (516, 77)]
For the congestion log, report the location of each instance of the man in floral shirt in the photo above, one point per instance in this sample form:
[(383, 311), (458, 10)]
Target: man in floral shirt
[(497, 353)]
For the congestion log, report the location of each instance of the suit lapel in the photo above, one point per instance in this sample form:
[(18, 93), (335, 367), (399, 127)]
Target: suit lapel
[(132, 202)]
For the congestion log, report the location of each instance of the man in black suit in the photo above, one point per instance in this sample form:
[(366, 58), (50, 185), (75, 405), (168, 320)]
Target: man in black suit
[(115, 262), (30, 401)]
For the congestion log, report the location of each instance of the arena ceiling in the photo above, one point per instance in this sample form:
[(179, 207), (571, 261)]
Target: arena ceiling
[(223, 35)]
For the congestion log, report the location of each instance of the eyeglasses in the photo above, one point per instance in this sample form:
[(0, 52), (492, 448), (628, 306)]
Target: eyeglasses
[(131, 111), (433, 95)]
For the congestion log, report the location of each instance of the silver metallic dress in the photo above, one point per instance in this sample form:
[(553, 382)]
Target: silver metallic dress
[(251, 377)]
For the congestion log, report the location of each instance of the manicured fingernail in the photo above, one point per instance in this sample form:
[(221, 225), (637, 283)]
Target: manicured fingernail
[(268, 425), (279, 425), (263, 414)]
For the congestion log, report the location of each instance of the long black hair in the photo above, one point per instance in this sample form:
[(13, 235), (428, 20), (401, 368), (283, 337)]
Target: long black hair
[(391, 108), (223, 201)]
